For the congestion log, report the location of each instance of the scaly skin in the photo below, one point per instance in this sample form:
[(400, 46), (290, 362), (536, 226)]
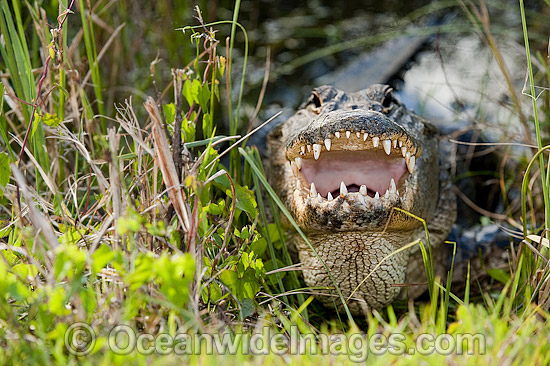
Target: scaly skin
[(353, 229)]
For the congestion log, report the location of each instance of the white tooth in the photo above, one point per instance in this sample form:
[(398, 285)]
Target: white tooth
[(411, 163), (387, 146), (393, 188), (303, 149), (343, 189), (375, 141), (298, 184), (329, 196), (319, 198), (404, 151), (358, 134), (308, 148), (394, 143), (337, 134), (363, 190), (348, 134), (328, 143), (407, 157), (400, 143), (397, 192), (313, 190), (387, 194), (294, 168), (377, 196), (316, 151), (298, 162), (365, 135)]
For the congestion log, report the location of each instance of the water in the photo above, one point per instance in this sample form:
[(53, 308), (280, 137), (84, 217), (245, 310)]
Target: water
[(447, 77)]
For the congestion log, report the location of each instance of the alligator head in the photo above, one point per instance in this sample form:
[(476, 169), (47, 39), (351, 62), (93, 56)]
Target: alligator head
[(342, 164)]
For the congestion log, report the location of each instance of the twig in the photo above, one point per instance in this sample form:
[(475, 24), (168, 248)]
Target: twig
[(262, 91), (152, 69), (166, 164), (176, 138)]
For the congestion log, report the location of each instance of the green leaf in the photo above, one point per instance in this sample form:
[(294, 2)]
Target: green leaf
[(35, 123), (169, 112), (246, 201), (245, 261), (57, 300), (215, 209), (188, 95), (275, 235), (230, 279), (248, 308), (142, 272), (212, 293), (500, 275), (69, 260), (250, 285), (174, 273), (204, 97), (88, 300), (221, 67), (217, 90), (101, 257), (18, 290), (5, 170), (51, 120), (259, 245), (188, 129), (485, 221), (70, 237), (25, 271), (207, 119), (129, 224), (196, 91), (243, 234)]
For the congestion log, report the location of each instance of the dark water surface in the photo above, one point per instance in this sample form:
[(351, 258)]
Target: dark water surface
[(428, 51)]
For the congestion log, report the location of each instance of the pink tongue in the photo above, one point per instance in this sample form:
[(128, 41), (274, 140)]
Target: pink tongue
[(372, 168)]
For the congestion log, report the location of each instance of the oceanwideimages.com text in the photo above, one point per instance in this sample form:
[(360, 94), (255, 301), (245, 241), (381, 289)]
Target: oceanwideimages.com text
[(80, 339)]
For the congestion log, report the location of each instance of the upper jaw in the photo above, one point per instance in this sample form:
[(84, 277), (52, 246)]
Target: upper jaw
[(334, 131)]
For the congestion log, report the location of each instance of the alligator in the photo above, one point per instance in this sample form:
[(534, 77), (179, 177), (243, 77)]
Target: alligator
[(359, 172)]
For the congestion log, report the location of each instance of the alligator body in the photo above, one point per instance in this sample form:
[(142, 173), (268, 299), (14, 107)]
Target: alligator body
[(342, 165)]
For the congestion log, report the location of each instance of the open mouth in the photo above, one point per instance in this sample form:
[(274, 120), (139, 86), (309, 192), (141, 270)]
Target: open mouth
[(353, 163)]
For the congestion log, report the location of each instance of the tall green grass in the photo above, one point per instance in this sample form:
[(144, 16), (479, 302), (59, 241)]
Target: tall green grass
[(15, 52), (533, 264)]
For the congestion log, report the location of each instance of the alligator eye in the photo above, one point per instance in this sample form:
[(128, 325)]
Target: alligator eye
[(388, 98), (314, 102)]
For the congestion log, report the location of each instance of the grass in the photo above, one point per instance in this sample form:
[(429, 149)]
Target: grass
[(145, 214)]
